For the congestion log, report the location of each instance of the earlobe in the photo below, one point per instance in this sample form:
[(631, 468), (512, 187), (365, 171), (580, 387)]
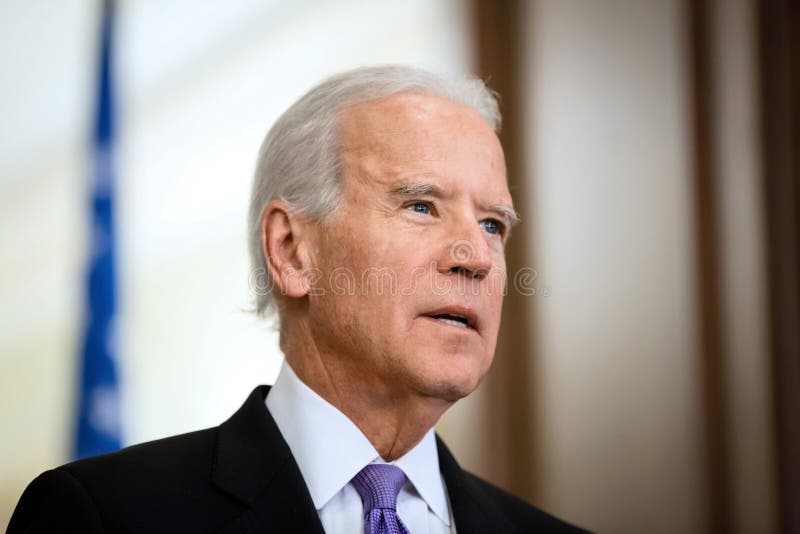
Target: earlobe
[(282, 234)]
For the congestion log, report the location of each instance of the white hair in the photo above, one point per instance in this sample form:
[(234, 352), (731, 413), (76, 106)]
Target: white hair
[(299, 162)]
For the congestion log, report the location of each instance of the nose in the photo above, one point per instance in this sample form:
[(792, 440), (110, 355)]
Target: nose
[(468, 253)]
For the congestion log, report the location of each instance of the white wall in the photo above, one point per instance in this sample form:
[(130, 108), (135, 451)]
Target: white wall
[(200, 83)]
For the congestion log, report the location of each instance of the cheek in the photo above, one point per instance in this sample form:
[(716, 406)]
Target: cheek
[(360, 282)]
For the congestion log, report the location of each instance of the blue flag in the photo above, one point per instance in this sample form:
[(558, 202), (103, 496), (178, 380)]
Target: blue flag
[(98, 407)]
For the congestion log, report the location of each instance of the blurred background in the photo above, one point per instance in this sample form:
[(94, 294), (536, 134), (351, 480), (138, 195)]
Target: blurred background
[(651, 381)]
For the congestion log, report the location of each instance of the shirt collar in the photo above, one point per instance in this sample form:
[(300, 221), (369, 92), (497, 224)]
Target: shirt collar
[(306, 421), (421, 466)]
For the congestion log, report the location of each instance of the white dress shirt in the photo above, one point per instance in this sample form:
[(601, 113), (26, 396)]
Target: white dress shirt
[(330, 449)]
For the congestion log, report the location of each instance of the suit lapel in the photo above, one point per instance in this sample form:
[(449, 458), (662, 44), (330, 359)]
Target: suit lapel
[(254, 465), (472, 508)]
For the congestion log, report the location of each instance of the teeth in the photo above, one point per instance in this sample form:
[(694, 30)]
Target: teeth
[(452, 322)]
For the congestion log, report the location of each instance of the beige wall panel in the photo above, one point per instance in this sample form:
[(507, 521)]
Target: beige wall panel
[(619, 440)]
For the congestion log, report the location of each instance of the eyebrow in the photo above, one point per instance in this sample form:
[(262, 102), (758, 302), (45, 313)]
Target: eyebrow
[(414, 189), (510, 214)]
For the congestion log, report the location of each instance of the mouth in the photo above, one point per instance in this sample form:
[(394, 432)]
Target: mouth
[(455, 316)]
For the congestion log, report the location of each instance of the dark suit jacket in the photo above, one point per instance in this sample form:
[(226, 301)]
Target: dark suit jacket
[(238, 477)]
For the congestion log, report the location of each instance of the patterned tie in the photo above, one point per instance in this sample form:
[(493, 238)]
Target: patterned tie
[(378, 485)]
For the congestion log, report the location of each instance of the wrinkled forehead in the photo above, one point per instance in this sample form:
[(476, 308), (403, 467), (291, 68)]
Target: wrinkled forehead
[(414, 128)]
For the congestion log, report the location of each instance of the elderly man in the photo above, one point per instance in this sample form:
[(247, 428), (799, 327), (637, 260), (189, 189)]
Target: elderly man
[(378, 223)]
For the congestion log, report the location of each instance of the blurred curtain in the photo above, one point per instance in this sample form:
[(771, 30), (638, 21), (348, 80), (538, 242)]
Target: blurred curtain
[(649, 382)]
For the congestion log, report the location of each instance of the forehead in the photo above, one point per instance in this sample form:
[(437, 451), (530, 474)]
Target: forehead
[(413, 133)]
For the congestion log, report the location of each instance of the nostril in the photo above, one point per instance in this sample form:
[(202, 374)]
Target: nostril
[(480, 273)]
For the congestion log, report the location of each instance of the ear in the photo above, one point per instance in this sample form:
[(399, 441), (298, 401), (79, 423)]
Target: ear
[(284, 235)]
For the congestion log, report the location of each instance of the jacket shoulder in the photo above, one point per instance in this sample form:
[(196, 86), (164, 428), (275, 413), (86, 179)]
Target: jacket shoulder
[(525, 517), (54, 499), (156, 483), (171, 459)]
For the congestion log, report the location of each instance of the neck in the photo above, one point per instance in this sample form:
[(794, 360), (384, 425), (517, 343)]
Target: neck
[(393, 420)]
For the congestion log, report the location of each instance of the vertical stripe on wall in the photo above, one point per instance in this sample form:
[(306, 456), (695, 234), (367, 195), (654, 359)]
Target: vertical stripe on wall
[(509, 412), (780, 101), (711, 366)]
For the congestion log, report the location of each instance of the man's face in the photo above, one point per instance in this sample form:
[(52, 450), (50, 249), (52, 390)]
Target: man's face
[(415, 250)]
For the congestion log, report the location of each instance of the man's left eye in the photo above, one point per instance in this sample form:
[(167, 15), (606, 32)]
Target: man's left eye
[(492, 226)]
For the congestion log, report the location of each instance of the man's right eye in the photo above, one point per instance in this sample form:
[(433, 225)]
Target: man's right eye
[(420, 207)]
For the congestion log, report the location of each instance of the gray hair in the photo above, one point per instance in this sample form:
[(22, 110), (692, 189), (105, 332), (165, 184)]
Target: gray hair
[(299, 163)]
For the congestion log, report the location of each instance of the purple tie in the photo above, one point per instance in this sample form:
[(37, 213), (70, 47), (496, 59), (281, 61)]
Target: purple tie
[(378, 485)]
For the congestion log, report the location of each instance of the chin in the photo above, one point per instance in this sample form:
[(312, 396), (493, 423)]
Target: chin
[(454, 379), (455, 392)]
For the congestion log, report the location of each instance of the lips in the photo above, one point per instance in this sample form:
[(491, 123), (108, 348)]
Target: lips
[(457, 316)]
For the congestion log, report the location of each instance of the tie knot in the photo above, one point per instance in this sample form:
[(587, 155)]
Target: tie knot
[(378, 486)]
